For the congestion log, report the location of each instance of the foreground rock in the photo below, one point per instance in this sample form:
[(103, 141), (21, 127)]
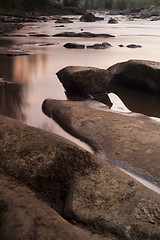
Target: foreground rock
[(84, 80), (140, 74), (83, 34), (23, 216), (123, 138), (90, 17), (80, 186)]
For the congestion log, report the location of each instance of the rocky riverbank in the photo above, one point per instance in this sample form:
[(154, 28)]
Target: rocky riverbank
[(100, 201)]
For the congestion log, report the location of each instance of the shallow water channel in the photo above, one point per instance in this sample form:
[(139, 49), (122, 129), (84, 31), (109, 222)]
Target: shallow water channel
[(36, 73)]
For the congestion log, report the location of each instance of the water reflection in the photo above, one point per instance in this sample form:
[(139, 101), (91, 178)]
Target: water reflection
[(139, 102), (12, 100)]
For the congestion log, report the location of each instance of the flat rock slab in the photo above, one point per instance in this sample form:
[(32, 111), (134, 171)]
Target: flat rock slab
[(84, 188), (139, 74), (120, 137), (83, 34)]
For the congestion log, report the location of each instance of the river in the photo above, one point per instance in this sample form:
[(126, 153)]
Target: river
[(36, 73)]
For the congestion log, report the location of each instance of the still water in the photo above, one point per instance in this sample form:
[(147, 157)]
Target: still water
[(35, 74)]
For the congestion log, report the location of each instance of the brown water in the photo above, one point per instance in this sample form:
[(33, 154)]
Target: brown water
[(36, 73)]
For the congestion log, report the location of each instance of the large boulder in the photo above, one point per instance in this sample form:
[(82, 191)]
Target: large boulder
[(113, 21), (86, 191), (84, 80), (140, 74), (90, 17)]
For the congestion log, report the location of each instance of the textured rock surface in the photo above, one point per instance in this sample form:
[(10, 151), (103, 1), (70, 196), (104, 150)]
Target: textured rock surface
[(86, 190), (84, 80), (141, 74), (23, 216), (120, 137)]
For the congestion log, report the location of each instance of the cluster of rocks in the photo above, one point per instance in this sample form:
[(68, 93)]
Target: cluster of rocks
[(140, 74), (20, 19), (8, 27), (103, 45), (83, 34), (63, 20)]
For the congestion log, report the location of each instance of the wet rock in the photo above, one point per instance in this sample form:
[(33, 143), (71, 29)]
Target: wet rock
[(113, 21), (82, 34), (134, 46), (74, 45), (15, 35), (84, 80), (47, 44), (39, 35), (60, 26), (17, 54), (90, 17), (121, 45), (139, 74), (103, 45), (102, 97), (77, 184)]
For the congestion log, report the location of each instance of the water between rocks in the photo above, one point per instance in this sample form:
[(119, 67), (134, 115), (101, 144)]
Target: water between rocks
[(36, 73)]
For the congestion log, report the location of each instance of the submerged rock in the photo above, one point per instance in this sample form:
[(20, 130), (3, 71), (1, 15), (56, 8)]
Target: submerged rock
[(74, 45), (140, 74), (84, 80), (134, 46)]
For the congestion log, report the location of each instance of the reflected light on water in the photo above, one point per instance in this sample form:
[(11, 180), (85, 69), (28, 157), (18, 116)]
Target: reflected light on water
[(118, 105)]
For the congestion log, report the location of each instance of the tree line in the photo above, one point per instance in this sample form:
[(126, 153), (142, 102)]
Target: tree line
[(28, 5), (116, 4)]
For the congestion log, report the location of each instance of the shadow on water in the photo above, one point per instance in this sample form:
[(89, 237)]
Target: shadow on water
[(137, 101)]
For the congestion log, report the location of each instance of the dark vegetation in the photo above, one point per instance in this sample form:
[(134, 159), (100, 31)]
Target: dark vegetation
[(19, 7)]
